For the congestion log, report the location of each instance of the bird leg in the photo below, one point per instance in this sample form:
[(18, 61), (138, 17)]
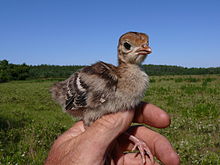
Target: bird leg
[(142, 147)]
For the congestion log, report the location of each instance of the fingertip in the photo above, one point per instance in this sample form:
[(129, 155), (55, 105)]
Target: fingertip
[(152, 115), (172, 159), (164, 119), (176, 158), (165, 152)]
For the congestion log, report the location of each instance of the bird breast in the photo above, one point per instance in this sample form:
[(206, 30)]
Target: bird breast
[(131, 85)]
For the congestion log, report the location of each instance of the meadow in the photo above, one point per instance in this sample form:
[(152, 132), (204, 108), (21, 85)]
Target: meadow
[(30, 120)]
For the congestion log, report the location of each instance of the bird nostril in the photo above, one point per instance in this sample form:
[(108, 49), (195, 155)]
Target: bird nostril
[(145, 45)]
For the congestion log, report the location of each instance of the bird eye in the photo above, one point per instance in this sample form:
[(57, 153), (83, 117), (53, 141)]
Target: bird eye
[(127, 46)]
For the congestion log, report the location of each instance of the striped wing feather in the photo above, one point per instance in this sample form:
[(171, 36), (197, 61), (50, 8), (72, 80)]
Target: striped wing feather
[(91, 86)]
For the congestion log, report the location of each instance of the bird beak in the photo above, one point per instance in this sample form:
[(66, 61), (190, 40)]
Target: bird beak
[(144, 51)]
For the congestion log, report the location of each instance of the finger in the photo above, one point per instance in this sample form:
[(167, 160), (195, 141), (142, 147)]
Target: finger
[(158, 144), (133, 159), (71, 133), (151, 115), (74, 131), (104, 130)]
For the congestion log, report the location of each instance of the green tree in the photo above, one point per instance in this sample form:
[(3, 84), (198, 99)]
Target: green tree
[(13, 72), (4, 76)]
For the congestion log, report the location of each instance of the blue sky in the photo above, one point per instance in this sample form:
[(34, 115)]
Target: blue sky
[(68, 32)]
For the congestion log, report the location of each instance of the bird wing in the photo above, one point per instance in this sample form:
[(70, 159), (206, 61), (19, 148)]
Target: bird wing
[(91, 86)]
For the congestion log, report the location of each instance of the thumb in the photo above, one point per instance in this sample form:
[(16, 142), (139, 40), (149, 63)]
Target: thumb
[(104, 130)]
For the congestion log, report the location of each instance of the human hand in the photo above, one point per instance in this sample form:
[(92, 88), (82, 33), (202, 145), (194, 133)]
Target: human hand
[(80, 146)]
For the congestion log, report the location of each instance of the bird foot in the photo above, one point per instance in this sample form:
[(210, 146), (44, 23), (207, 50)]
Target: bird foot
[(143, 149)]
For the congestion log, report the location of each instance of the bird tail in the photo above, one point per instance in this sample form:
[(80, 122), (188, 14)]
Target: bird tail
[(58, 91)]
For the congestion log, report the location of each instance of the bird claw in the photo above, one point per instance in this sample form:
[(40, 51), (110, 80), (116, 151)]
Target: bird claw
[(143, 149)]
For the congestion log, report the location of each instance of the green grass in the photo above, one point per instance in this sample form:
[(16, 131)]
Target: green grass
[(193, 103), (30, 120)]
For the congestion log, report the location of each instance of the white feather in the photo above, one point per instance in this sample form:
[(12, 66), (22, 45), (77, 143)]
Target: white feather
[(79, 85)]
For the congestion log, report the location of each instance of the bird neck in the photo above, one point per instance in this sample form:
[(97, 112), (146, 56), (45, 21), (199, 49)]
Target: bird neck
[(122, 60), (122, 65)]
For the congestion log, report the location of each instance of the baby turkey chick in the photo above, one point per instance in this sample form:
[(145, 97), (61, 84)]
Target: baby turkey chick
[(103, 88)]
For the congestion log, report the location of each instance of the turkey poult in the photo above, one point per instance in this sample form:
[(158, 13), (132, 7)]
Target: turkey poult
[(103, 88)]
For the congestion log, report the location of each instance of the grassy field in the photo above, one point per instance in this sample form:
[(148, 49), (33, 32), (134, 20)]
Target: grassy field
[(30, 121)]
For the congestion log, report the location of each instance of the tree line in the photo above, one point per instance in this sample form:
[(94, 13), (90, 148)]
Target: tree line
[(23, 71), (10, 72)]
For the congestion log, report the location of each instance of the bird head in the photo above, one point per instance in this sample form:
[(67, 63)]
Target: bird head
[(133, 48)]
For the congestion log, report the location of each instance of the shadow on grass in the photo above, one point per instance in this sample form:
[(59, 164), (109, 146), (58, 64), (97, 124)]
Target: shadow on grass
[(7, 123), (11, 131)]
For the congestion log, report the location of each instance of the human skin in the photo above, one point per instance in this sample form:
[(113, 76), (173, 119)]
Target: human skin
[(78, 146)]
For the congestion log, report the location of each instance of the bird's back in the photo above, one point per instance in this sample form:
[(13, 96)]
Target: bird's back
[(87, 88)]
